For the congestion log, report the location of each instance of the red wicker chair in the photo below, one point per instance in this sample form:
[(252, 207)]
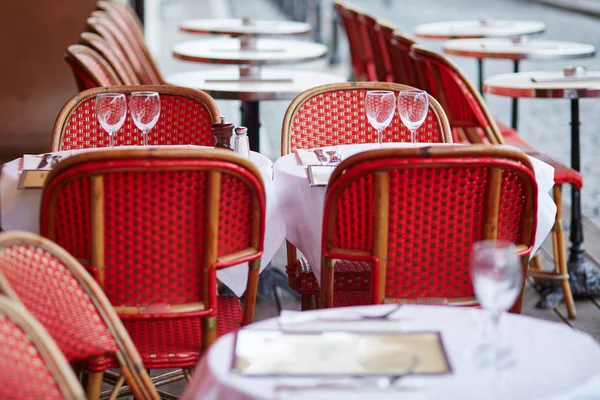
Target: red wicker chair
[(331, 115), (186, 118), (102, 24), (122, 16), (56, 289), (403, 68), (90, 68), (471, 121), (363, 65), (31, 365), (153, 226), (112, 55), (381, 57), (431, 205)]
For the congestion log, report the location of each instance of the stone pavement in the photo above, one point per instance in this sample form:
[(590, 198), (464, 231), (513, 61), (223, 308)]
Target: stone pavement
[(544, 122)]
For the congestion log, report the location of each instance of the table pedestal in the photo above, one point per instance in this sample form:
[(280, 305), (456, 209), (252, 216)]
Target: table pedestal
[(583, 277), (515, 101), (251, 120)]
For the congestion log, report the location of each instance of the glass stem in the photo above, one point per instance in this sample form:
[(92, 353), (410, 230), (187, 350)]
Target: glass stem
[(412, 136), (492, 336), (145, 137), (379, 134), (111, 140)]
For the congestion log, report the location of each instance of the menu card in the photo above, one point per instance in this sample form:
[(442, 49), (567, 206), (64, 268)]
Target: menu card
[(36, 168), (319, 175), (338, 353)]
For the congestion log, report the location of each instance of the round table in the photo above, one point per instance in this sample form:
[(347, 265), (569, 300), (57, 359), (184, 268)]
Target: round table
[(273, 84), (516, 50), (20, 210), (560, 363), (478, 29), (584, 279), (266, 51), (243, 27), (305, 224)]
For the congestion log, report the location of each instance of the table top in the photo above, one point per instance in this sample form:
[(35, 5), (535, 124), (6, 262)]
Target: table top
[(274, 84), (521, 85), (478, 29), (542, 369), (268, 51), (237, 27), (20, 210), (508, 49)]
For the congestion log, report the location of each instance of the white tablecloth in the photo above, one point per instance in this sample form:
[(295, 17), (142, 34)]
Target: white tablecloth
[(20, 210), (551, 361), (305, 223)]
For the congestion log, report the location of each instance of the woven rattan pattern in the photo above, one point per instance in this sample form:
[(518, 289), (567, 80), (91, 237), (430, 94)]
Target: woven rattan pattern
[(49, 291), (235, 221), (182, 121), (177, 340), (23, 371), (338, 117), (350, 276), (73, 210), (354, 225)]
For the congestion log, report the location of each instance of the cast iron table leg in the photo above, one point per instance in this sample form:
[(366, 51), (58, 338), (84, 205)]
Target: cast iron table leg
[(583, 277), (251, 120), (515, 101), (480, 69)]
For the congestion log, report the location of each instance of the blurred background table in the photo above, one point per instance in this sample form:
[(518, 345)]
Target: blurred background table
[(567, 371), (584, 278), (273, 84), (515, 49), (482, 28), (243, 27)]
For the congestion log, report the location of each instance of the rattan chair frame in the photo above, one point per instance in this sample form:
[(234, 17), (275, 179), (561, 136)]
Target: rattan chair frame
[(84, 75), (494, 136), (122, 18), (63, 116), (303, 97), (403, 69), (381, 57), (100, 45), (241, 168), (54, 360), (495, 157), (132, 368)]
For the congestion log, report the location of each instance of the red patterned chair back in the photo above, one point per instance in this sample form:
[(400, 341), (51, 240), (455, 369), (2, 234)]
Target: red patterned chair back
[(119, 15), (153, 226), (186, 117), (56, 289), (415, 213), (469, 117), (90, 68), (381, 59), (102, 24), (31, 365), (403, 67), (100, 45), (334, 114), (358, 42)]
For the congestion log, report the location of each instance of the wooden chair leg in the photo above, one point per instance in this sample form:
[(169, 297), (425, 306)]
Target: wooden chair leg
[(535, 265), (209, 332), (94, 384), (308, 302), (250, 295), (117, 388), (560, 253)]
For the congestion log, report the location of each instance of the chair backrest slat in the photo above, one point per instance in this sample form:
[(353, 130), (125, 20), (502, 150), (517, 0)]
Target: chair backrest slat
[(90, 68), (112, 55)]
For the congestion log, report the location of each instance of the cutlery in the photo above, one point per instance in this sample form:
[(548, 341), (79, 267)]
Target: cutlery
[(350, 318)]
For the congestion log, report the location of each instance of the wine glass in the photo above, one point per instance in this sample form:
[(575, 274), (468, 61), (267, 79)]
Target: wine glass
[(380, 106), (497, 278), (111, 110), (145, 111), (413, 106)]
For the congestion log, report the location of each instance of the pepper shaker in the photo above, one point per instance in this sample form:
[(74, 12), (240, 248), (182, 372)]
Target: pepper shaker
[(223, 131)]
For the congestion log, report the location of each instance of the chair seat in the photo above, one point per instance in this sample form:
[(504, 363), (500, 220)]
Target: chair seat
[(562, 173), (349, 276), (175, 342)]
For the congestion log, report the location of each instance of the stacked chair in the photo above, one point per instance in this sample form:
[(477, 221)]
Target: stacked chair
[(469, 118)]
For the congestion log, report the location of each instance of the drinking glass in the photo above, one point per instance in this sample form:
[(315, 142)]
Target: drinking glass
[(145, 111), (380, 106), (111, 110), (413, 106), (497, 278)]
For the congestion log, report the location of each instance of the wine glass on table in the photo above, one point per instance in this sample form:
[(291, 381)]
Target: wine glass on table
[(145, 111), (111, 110), (413, 106), (380, 106), (497, 277)]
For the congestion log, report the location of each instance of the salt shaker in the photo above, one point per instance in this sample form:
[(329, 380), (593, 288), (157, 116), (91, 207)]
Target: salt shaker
[(242, 145)]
